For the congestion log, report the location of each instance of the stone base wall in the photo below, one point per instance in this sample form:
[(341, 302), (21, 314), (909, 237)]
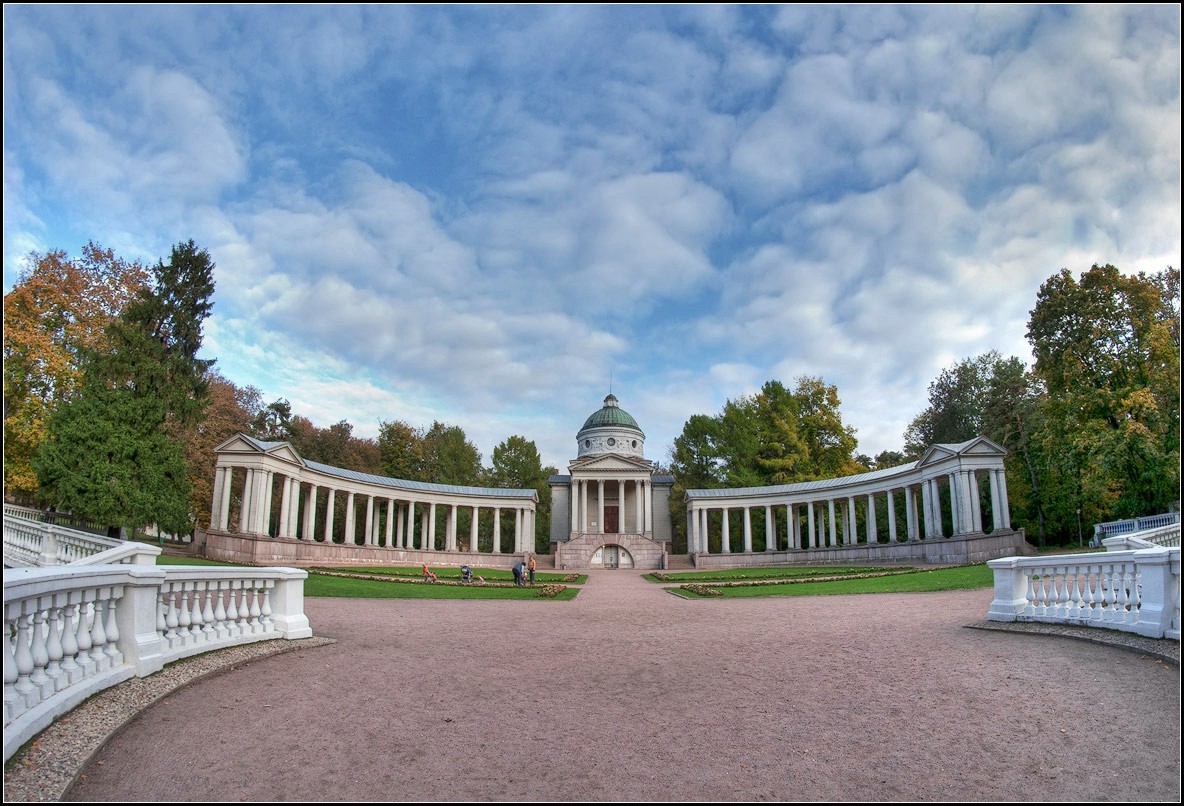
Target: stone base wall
[(576, 553), (960, 550), (255, 550)]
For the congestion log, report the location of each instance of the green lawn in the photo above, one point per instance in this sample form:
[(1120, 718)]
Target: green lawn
[(345, 587), (742, 574), (915, 581)]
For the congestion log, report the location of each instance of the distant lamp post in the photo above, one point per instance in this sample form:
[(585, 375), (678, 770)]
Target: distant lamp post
[(1079, 543)]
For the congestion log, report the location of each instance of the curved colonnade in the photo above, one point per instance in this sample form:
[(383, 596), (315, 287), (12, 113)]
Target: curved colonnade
[(379, 512), (826, 514)]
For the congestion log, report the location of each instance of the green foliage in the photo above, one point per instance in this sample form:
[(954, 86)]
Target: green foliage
[(114, 453), (1107, 349), (517, 465), (57, 312), (1093, 428), (102, 462), (773, 437)]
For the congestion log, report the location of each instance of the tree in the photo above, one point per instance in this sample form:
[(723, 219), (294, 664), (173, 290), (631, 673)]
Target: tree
[(400, 449), (517, 465), (114, 453), (273, 423), (58, 310), (773, 437), (230, 411), (449, 457), (1107, 349), (957, 402)]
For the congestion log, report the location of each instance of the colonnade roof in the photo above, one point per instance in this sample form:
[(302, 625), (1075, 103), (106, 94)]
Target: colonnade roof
[(979, 446), (263, 446)]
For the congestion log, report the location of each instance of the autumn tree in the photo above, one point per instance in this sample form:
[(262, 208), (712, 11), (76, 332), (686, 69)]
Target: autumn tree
[(1107, 349), (230, 410), (776, 436), (58, 311), (114, 453)]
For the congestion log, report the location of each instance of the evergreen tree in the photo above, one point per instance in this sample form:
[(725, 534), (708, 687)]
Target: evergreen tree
[(115, 453)]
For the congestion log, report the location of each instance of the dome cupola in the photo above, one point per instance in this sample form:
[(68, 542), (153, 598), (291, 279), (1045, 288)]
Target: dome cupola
[(611, 430)]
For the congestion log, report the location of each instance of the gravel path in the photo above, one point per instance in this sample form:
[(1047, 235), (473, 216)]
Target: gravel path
[(631, 694)]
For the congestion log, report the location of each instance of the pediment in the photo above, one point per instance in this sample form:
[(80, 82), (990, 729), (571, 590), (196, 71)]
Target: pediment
[(609, 463), (979, 446), (243, 444)]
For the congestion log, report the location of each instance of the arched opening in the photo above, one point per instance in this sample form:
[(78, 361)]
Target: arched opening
[(611, 555)]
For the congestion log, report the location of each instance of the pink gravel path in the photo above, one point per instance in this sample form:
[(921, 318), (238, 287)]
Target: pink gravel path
[(631, 694)]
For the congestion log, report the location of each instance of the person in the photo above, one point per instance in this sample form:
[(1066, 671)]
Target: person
[(519, 567), (428, 575), (466, 574), (531, 567)]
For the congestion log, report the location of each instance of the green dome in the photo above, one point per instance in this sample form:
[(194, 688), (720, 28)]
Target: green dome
[(611, 415)]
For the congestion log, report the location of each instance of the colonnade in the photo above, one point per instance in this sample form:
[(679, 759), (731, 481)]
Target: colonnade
[(378, 511), (825, 514)]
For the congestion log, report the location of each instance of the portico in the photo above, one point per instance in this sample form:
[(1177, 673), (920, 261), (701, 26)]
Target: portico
[(612, 509)]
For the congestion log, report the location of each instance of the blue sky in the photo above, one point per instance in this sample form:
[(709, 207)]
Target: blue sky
[(482, 214)]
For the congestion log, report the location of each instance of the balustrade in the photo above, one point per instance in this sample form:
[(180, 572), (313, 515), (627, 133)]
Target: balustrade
[(70, 631), (1134, 591)]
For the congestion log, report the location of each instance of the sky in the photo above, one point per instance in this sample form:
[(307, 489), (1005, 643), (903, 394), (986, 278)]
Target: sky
[(491, 216)]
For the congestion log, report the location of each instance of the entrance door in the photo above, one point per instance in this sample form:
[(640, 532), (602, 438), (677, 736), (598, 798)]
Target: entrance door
[(611, 558), (612, 521)]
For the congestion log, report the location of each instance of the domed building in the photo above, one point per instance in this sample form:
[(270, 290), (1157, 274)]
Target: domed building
[(612, 510)]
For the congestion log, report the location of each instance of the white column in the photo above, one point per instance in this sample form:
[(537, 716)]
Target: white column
[(891, 519), (584, 526), (693, 536), (936, 500), (224, 512), (497, 530), (368, 536), (573, 498), (390, 523), (329, 509), (399, 524), (791, 527), (957, 502), (850, 529), (872, 537), (725, 543), (620, 505), (285, 491), (811, 534), (638, 514), (351, 517), (910, 514), (517, 530), (647, 504), (294, 517), (834, 541), (244, 513), (411, 526), (748, 530), (263, 500), (450, 533), (770, 530), (1003, 505), (473, 528), (216, 503), (600, 505), (976, 503), (430, 539), (310, 514)]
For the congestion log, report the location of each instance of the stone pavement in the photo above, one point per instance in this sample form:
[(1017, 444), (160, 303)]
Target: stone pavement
[(630, 694)]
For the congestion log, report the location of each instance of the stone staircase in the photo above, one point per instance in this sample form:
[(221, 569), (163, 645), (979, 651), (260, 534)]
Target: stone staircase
[(679, 562)]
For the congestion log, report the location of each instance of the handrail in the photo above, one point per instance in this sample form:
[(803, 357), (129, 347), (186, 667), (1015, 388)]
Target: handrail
[(73, 630), (1132, 590)]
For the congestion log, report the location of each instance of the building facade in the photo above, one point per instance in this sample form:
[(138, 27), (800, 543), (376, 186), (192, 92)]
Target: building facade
[(612, 509)]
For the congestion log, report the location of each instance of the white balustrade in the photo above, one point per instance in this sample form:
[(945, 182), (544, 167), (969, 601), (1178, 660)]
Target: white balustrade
[(1135, 591), (70, 631), (29, 542)]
